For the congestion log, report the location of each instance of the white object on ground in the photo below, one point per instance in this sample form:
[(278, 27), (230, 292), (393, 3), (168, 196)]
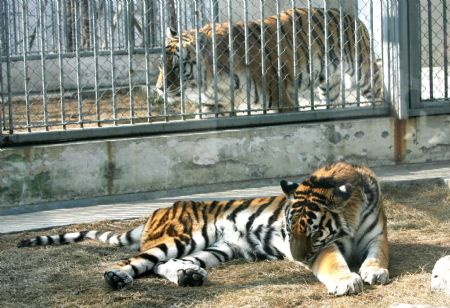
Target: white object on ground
[(440, 277)]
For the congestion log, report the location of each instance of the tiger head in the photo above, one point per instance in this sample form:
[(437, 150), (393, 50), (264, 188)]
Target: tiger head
[(316, 216), (196, 69), (177, 62)]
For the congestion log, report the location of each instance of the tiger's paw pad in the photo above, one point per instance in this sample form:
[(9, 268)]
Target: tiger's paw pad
[(191, 277), (118, 279), (348, 284), (374, 275)]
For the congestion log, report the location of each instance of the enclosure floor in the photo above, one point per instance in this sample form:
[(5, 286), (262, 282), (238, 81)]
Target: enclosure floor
[(141, 205)]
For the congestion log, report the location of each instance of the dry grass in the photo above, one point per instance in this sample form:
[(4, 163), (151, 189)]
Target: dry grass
[(71, 275)]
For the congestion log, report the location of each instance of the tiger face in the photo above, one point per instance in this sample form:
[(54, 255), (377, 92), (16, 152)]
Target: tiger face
[(315, 215), (178, 66)]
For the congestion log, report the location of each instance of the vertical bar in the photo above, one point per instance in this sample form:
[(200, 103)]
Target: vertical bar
[(327, 52), (263, 58), (2, 91), (113, 62), (415, 67), (181, 58), (94, 36), (152, 23), (310, 56), (105, 40), (372, 58), (185, 11), (129, 10), (342, 49), (60, 11), (248, 81), (203, 12), (214, 47), (279, 65), (52, 9), (444, 17), (8, 67), (387, 53), (67, 10), (215, 9), (406, 14), (121, 26), (197, 55), (77, 20), (231, 58), (357, 63), (164, 22), (146, 39), (399, 18), (430, 49), (42, 22), (295, 52), (25, 62), (14, 24)]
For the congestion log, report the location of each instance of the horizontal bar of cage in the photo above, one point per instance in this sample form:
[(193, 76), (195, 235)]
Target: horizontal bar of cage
[(55, 55), (71, 92), (184, 126), (432, 102), (429, 110)]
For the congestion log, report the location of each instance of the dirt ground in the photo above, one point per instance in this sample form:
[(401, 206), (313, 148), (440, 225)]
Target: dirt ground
[(71, 275)]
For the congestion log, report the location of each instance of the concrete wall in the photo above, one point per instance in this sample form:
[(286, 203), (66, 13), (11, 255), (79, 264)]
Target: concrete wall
[(33, 174)]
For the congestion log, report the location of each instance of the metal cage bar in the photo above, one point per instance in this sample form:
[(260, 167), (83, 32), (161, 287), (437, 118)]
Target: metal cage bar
[(25, 65)]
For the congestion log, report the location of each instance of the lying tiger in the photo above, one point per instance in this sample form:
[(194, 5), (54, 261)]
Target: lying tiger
[(184, 63), (333, 218)]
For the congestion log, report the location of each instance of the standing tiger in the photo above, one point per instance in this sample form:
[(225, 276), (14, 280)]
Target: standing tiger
[(323, 76), (332, 218)]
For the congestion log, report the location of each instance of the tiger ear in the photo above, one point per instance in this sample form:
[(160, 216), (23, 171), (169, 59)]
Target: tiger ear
[(288, 188), (171, 33)]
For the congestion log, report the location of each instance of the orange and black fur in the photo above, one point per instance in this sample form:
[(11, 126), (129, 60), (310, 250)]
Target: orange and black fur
[(324, 75), (333, 217)]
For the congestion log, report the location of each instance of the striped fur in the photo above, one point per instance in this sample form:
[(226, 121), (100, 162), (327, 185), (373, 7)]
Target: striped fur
[(131, 238), (314, 223), (328, 90)]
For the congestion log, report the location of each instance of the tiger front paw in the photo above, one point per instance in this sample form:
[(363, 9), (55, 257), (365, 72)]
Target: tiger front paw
[(118, 279), (374, 275), (347, 284)]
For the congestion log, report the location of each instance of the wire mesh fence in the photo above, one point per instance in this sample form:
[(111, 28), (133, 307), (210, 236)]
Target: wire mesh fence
[(434, 49), (89, 63)]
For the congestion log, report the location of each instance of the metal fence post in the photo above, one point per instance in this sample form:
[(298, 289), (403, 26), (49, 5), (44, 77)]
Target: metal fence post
[(414, 48), (401, 20)]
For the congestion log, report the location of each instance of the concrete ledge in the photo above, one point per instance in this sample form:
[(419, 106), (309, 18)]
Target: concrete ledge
[(72, 171)]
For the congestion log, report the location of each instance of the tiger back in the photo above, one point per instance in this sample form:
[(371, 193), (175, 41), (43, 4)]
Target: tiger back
[(260, 83)]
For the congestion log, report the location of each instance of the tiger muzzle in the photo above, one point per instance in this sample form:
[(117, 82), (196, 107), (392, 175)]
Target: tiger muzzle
[(301, 246)]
